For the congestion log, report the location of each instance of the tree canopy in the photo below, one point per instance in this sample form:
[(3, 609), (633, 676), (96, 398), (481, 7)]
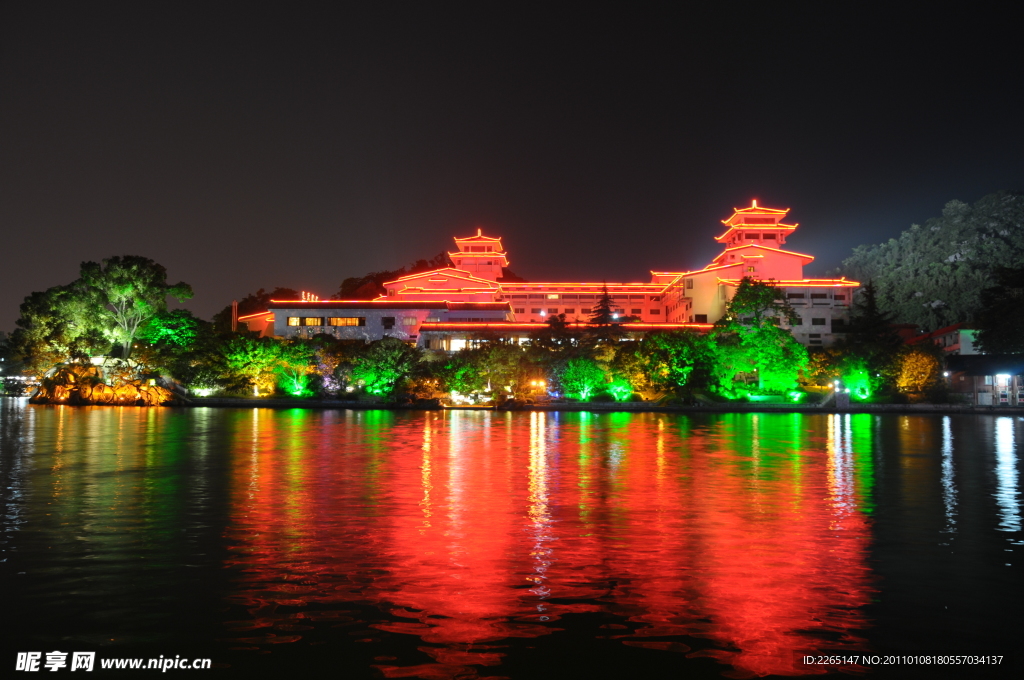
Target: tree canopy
[(999, 320), (371, 285), (933, 274), (132, 290)]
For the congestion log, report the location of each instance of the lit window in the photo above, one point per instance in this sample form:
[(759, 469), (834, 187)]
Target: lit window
[(750, 268), (409, 321), (294, 321), (431, 319), (817, 322), (552, 296), (313, 321), (346, 321)]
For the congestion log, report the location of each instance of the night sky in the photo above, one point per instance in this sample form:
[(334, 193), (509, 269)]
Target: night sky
[(245, 148)]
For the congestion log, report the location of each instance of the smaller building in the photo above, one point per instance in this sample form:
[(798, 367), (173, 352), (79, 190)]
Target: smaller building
[(370, 320), (988, 379), (955, 339)]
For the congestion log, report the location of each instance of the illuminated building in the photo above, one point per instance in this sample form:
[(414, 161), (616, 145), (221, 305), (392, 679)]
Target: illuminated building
[(443, 307)]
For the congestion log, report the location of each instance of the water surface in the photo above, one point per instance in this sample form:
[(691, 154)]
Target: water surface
[(522, 545)]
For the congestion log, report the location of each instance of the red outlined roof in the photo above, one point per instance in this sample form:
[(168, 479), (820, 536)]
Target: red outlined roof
[(450, 272), (800, 283), (803, 256), (251, 316), (479, 237)]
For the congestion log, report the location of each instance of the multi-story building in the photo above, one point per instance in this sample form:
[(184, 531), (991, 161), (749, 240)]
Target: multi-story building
[(441, 308)]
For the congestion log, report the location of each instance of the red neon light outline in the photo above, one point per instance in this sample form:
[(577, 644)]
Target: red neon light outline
[(462, 274), (771, 250), (479, 237), (799, 283)]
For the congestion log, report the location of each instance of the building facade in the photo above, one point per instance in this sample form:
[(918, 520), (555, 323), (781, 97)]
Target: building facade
[(443, 307)]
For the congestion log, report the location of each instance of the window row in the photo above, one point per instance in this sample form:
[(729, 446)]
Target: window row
[(573, 310), (575, 296), (386, 321)]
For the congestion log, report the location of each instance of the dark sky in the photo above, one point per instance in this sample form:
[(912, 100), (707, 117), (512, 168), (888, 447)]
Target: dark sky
[(245, 148)]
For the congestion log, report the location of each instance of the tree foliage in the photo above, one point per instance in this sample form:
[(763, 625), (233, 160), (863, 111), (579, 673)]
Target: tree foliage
[(748, 342), (999, 321), (676, 360), (58, 325), (253, 303), (933, 274), (132, 290), (371, 285), (384, 364), (581, 378)]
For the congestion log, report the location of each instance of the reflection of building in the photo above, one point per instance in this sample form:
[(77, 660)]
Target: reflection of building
[(440, 308)]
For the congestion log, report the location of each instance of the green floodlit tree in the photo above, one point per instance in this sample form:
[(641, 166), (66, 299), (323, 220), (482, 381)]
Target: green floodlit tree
[(132, 291), (749, 339), (252, 362), (177, 328), (294, 366), (999, 320), (58, 325), (384, 364), (670, 358), (581, 377), (461, 372)]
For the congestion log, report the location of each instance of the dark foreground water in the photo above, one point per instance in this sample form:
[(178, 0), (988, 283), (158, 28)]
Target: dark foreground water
[(520, 545)]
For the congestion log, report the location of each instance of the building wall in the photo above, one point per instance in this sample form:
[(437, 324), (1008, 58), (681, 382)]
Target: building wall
[(374, 319)]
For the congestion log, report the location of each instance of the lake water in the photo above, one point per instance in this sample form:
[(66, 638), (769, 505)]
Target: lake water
[(521, 545)]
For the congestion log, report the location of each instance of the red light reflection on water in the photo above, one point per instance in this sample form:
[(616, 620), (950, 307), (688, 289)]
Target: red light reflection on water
[(478, 527)]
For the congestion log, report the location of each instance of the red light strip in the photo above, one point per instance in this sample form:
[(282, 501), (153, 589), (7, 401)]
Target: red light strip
[(268, 314), (800, 283), (498, 325), (462, 274), (771, 250)]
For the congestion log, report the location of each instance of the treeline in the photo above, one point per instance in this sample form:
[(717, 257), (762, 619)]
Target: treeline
[(933, 274), (748, 355)]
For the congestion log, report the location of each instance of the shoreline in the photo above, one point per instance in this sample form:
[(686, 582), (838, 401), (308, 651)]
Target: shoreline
[(611, 407)]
